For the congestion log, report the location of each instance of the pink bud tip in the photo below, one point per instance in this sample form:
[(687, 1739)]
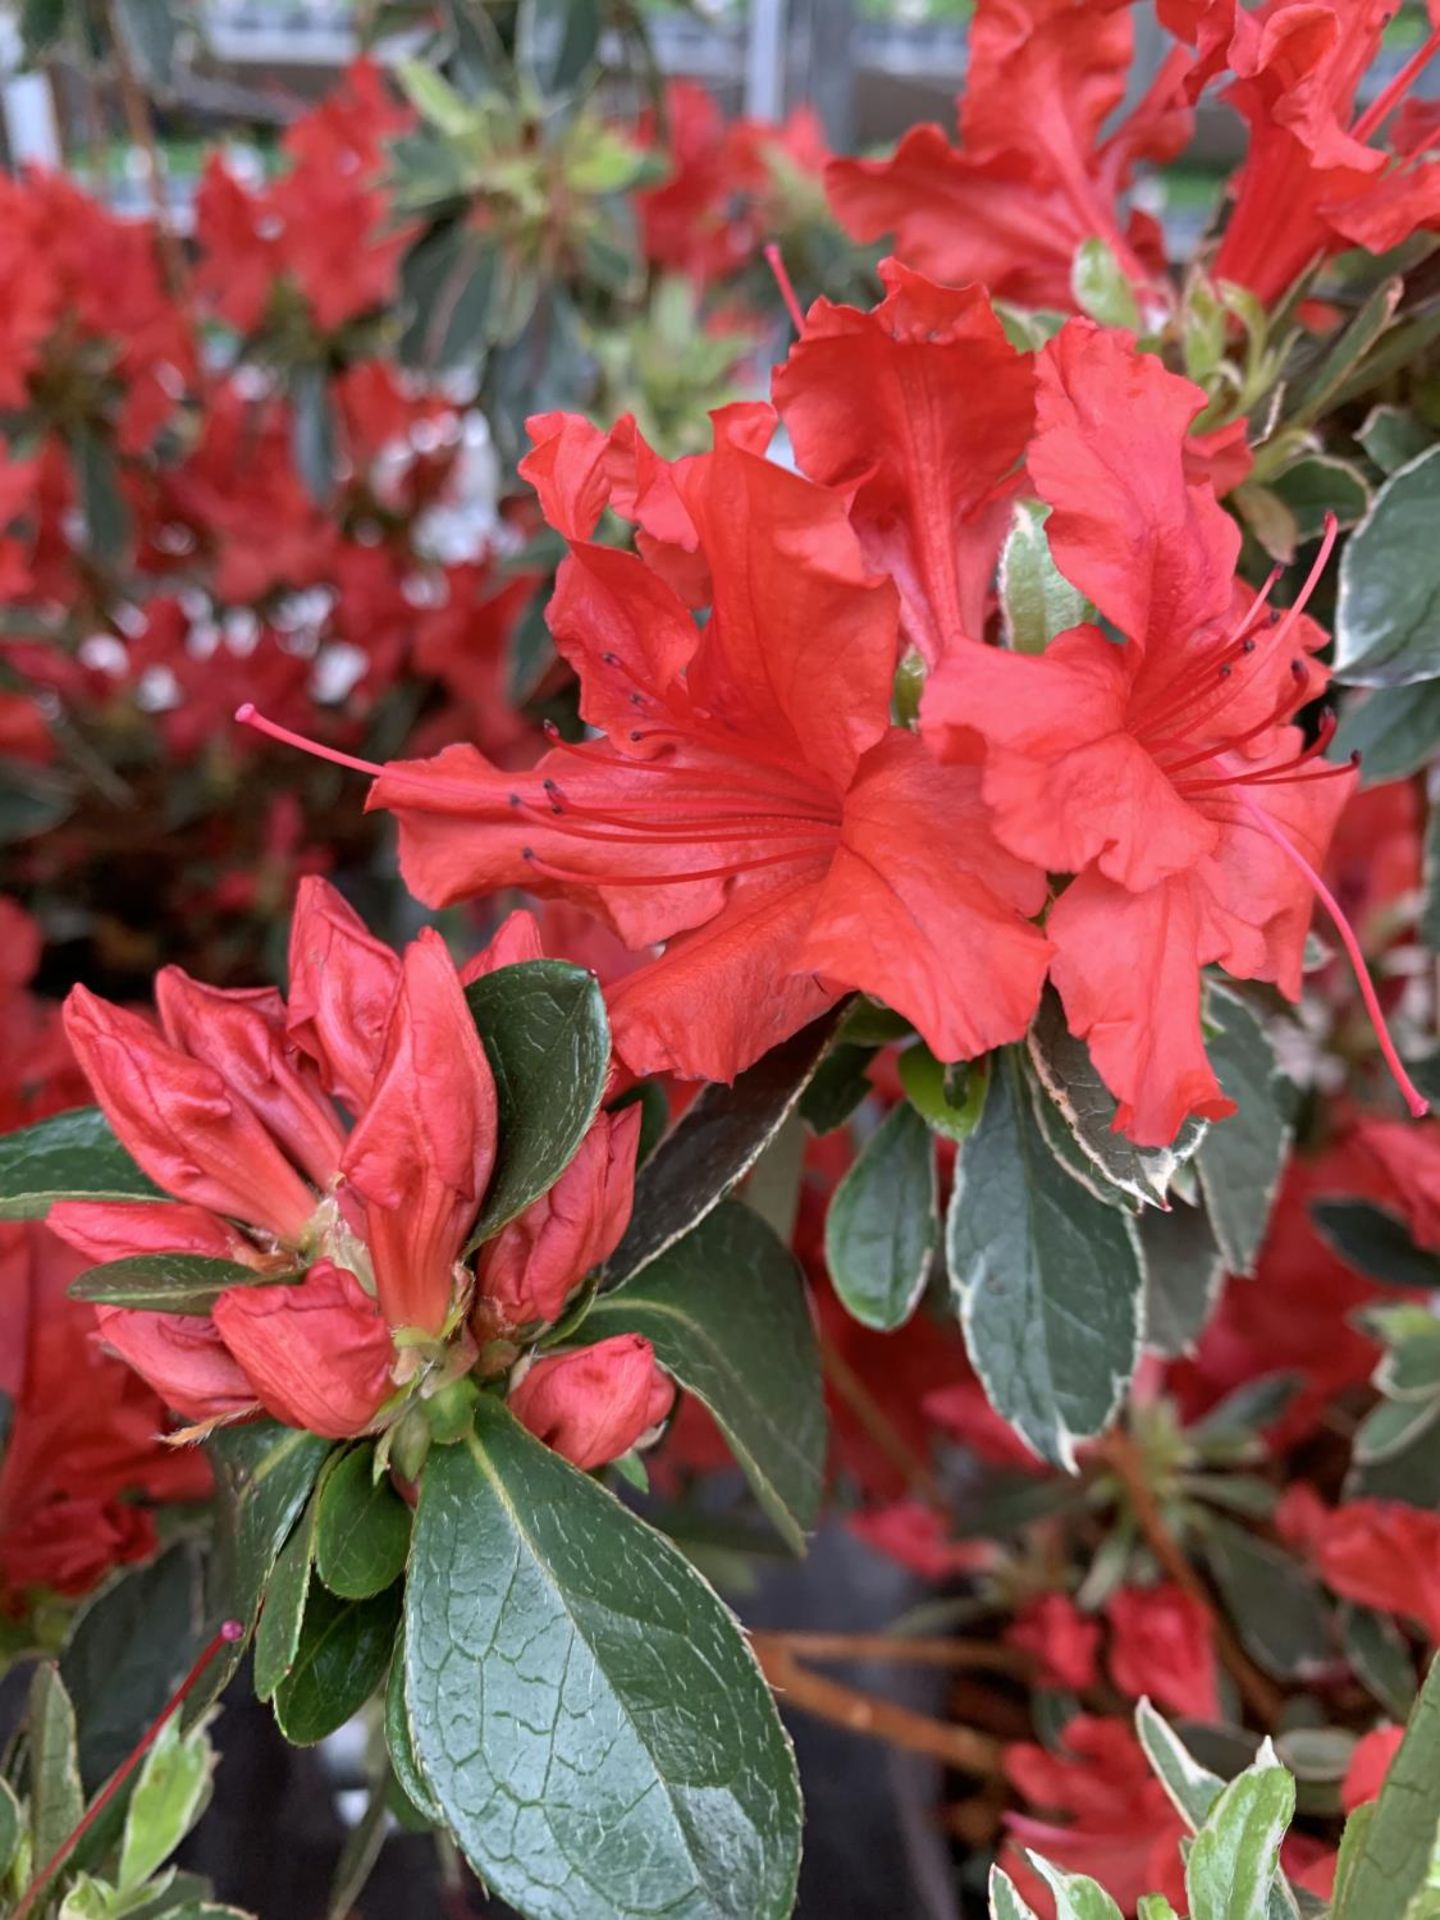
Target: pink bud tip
[(232, 1630), (245, 713)]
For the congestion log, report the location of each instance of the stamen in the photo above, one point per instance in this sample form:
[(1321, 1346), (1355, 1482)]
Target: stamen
[(548, 871), (249, 716), (775, 260), (1417, 1103), (229, 1633), (1281, 712), (1399, 86)]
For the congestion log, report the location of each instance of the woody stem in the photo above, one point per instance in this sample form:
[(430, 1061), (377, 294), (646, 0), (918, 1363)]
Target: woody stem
[(913, 1650), (1122, 1456), (136, 109)]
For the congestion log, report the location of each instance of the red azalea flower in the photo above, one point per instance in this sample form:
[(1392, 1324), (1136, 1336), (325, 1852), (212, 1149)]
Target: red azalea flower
[(1162, 1645), (788, 847), (1034, 176), (916, 1536), (1312, 183), (1384, 1554), (594, 1404), (921, 409), (1163, 772), (229, 1108), (1062, 1641), (1369, 1764)]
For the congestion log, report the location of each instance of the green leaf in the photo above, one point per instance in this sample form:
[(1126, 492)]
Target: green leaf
[(1088, 1108), (1278, 1609), (1391, 1428), (1320, 484), (1005, 1901), (556, 42), (312, 432), (1036, 600), (1235, 1858), (1385, 631), (1183, 1271), (150, 30), (345, 1647), (1101, 288), (1397, 1850), (12, 1828), (1380, 1656), (1427, 926), (1077, 1896), (102, 503), (1047, 1280), (1393, 438), (725, 1311), (585, 1711), (400, 1741), (277, 1637), (1154, 1906), (1395, 730), (950, 1097), (449, 283), (721, 1136), (1374, 1240), (264, 1474), (57, 1799), (548, 1041), (1340, 359), (359, 1855), (884, 1221), (841, 1083), (363, 1533), (1191, 1789), (168, 1282), (1241, 1158), (172, 1787), (128, 1650), (72, 1156)]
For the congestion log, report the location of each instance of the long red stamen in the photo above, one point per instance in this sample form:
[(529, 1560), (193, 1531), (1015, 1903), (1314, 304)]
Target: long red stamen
[(1278, 714), (775, 260), (1181, 692), (229, 1633), (249, 716), (572, 877), (1312, 580), (1417, 1103), (1396, 90)]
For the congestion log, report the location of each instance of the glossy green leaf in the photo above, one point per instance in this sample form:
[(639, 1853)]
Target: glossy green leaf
[(1154, 1906), (1427, 925), (277, 1637), (1047, 1280), (1391, 1428), (1101, 287), (556, 42), (1191, 1788), (1344, 352), (1385, 631), (72, 1156), (950, 1098), (1395, 730), (57, 1798), (100, 496), (1088, 1108), (1318, 485), (1397, 1851), (1380, 1657), (363, 1532), (1278, 1609), (725, 1311), (1077, 1896), (312, 432), (1036, 600), (585, 1711), (345, 1647), (1393, 438), (1377, 1242), (170, 1791), (166, 1282), (128, 1650), (1005, 1901), (883, 1222), (1235, 1859), (841, 1083), (720, 1137), (1183, 1271), (548, 1041), (400, 1741), (12, 1828), (1241, 1158), (264, 1475)]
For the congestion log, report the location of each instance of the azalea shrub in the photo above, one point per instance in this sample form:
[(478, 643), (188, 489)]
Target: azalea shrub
[(614, 954)]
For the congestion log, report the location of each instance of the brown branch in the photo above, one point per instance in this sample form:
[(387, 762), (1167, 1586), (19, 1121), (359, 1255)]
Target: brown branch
[(963, 1748), (979, 1656), (881, 1429), (136, 107), (1120, 1454)]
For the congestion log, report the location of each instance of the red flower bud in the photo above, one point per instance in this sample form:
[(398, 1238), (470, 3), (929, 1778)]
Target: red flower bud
[(531, 1267), (118, 1229), (343, 983), (516, 939), (422, 1151), (319, 1355), (182, 1123), (593, 1405), (183, 1357)]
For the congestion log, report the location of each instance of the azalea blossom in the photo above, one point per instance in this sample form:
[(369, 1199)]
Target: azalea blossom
[(595, 1403), (750, 803)]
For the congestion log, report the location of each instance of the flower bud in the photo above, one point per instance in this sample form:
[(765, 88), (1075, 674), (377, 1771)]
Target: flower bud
[(343, 983), (319, 1355), (594, 1404), (183, 1357)]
